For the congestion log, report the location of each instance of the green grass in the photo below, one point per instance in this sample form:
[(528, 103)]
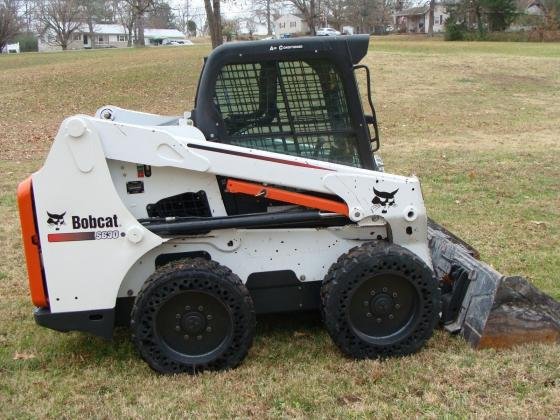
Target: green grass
[(477, 122)]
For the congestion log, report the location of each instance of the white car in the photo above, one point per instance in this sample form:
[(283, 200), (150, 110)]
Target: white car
[(327, 32), (177, 42)]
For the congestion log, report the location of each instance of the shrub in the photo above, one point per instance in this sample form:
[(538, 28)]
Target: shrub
[(454, 31), (27, 42)]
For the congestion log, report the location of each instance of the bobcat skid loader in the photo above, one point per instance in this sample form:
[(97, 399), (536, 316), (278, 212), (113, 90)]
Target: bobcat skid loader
[(265, 198)]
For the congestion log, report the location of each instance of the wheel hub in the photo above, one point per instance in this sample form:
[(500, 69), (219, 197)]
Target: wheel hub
[(193, 322), (382, 304)]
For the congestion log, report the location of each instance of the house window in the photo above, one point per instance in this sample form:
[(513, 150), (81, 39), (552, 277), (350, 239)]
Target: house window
[(102, 39), (77, 37), (441, 19), (293, 24), (283, 24), (123, 38)]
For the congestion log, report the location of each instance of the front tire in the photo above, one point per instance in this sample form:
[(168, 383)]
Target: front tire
[(380, 300), (193, 315)]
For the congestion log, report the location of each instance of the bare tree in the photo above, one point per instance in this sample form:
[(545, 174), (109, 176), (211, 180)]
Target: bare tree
[(183, 15), (264, 12), (335, 12), (139, 9), (124, 14), (308, 9), (28, 13), (92, 12), (10, 23), (214, 20), (58, 20)]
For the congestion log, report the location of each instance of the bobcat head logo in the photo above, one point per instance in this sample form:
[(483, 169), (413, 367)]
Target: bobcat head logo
[(56, 220), (384, 199)]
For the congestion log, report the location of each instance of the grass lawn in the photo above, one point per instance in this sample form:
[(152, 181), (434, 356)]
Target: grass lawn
[(479, 123)]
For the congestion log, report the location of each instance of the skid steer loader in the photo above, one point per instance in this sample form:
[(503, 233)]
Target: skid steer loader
[(266, 198)]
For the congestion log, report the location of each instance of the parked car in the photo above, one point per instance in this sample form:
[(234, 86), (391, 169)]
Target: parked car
[(177, 42), (327, 32)]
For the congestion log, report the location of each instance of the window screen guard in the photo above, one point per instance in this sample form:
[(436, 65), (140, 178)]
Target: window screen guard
[(291, 107)]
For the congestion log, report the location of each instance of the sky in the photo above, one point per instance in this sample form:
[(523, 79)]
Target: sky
[(230, 9)]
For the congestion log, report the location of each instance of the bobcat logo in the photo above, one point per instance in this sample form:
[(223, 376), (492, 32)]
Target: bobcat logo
[(56, 220), (384, 199)]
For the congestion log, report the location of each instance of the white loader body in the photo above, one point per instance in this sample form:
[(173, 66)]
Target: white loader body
[(87, 266)]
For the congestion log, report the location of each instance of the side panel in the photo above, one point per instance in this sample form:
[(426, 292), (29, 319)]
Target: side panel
[(88, 237), (309, 253), (163, 182)]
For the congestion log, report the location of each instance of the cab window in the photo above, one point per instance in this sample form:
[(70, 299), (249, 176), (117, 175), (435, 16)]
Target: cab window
[(292, 107)]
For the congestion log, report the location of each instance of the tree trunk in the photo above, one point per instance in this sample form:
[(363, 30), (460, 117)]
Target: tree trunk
[(91, 33), (479, 21), (214, 21), (268, 21), (311, 19), (431, 18), (140, 27), (129, 42)]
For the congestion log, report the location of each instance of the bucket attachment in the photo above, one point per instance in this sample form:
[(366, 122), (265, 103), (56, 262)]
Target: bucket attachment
[(485, 307)]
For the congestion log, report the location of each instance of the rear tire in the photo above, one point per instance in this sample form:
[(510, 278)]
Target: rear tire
[(193, 315), (380, 300)]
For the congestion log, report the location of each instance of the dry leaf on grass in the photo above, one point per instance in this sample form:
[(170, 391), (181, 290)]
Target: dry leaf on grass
[(348, 399), (538, 223), (23, 356)]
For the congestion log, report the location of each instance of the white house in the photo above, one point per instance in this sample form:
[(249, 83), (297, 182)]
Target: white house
[(291, 25), (108, 36), (416, 19)]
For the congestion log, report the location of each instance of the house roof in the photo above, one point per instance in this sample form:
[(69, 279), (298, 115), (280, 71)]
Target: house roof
[(413, 11), (115, 29), (290, 15)]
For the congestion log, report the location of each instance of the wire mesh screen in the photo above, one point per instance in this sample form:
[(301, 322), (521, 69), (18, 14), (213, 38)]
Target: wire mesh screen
[(290, 107)]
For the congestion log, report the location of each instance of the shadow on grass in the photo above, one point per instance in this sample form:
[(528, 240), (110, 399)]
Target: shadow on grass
[(89, 351), (291, 322)]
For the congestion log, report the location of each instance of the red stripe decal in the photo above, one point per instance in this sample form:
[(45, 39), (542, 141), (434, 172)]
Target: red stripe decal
[(251, 156), (69, 237)]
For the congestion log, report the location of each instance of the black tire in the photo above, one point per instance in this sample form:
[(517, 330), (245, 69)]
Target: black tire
[(193, 315), (380, 300)]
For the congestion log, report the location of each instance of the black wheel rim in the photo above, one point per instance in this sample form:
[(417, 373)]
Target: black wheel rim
[(194, 327), (384, 308)]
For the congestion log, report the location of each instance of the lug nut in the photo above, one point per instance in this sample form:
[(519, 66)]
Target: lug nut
[(372, 292), (209, 317), (368, 314), (201, 308), (385, 290), (187, 308), (186, 337), (178, 316), (208, 329), (391, 316), (395, 294), (397, 306)]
